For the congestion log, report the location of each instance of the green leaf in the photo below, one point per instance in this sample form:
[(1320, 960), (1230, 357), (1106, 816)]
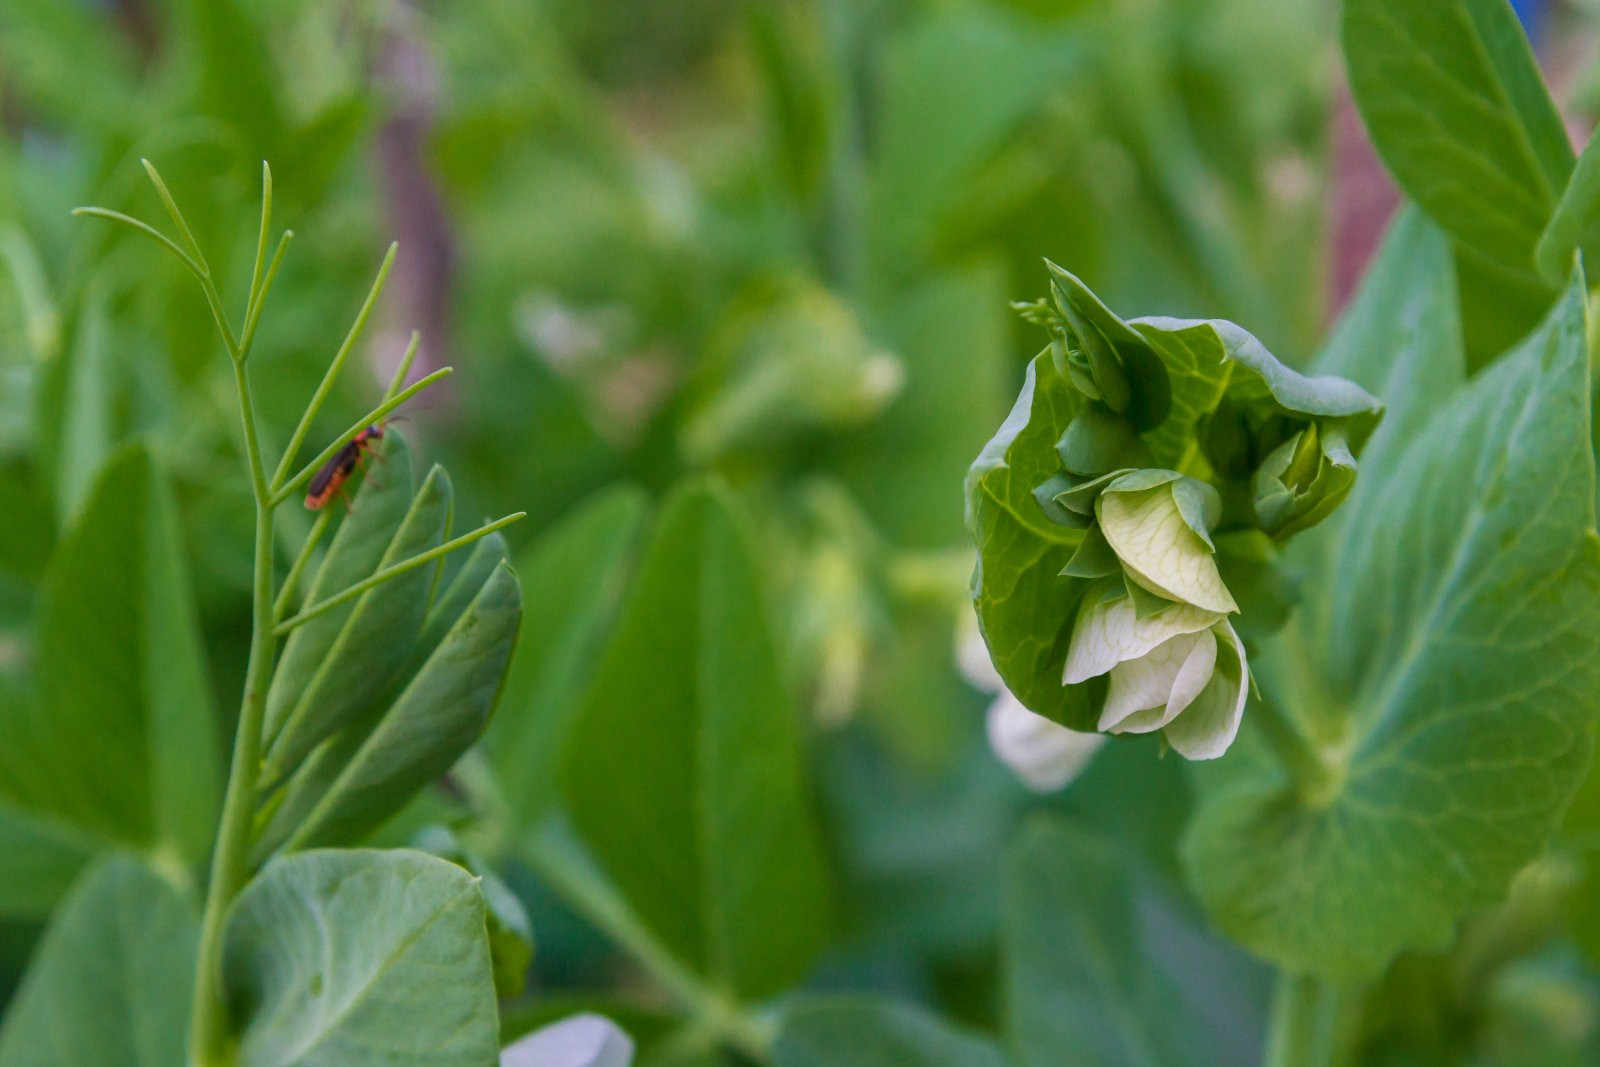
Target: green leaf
[(120, 743), (1025, 607), (1576, 221), (1453, 99), (1083, 983), (437, 717), (110, 982), (86, 406), (1453, 677), (865, 1031), (39, 858), (683, 773), (360, 957), (335, 666), (574, 576)]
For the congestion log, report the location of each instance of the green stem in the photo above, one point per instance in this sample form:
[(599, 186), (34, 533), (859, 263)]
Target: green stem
[(209, 1031), (208, 1040), (1300, 1031), (712, 1011), (1317, 772)]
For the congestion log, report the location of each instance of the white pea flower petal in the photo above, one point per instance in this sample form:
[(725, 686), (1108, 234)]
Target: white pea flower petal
[(1181, 670), (1159, 550), (1149, 692), (578, 1041), (1043, 754), (1212, 721), (1110, 632)]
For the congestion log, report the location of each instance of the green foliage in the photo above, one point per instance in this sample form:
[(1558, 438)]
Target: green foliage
[(109, 981), (337, 957), (118, 745), (724, 862), (1449, 759), (874, 1032)]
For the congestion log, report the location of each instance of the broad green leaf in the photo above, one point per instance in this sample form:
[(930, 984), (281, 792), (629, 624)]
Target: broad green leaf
[(335, 666), (360, 957), (1576, 221), (1083, 983), (39, 858), (683, 773), (121, 742), (956, 83), (438, 715), (952, 332), (1453, 99), (85, 407), (866, 1031), (110, 982), (1025, 607), (573, 577), (1455, 676)]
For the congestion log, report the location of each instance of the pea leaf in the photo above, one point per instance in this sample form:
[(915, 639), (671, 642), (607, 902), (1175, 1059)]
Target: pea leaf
[(439, 714), (1576, 220), (575, 575), (110, 982), (1091, 959), (1454, 675), (683, 772), (1025, 607), (333, 663), (39, 858), (1453, 100), (120, 743), (360, 957), (864, 1031)]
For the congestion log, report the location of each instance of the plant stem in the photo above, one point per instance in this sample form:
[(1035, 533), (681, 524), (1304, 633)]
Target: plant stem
[(1317, 772), (713, 1011), (1300, 1031), (208, 1033)]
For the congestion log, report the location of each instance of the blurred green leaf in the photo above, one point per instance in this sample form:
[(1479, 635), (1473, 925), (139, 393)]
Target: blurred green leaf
[(866, 1031), (121, 742), (1576, 221), (1453, 99), (39, 858), (334, 666), (574, 577), (110, 982), (1082, 984), (683, 774), (85, 416), (360, 956), (1451, 690)]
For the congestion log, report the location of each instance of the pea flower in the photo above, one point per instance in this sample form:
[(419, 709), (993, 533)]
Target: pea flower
[(1129, 512)]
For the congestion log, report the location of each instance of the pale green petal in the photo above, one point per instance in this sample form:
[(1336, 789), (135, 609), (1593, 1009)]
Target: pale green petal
[(1209, 726), (1145, 693), (1159, 550), (1109, 633), (1043, 754)]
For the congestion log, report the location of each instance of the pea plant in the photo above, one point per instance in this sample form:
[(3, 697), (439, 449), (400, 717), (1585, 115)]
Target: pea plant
[(386, 674), (1296, 660)]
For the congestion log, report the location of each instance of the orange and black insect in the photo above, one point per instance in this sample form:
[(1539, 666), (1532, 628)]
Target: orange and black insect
[(328, 481)]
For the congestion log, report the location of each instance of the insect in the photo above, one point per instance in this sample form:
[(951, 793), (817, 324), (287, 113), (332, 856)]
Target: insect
[(328, 481)]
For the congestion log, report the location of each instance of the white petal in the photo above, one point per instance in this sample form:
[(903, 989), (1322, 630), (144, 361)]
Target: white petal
[(1107, 634), (1044, 754), (1158, 549), (1212, 722), (1148, 684), (578, 1041), (972, 656)]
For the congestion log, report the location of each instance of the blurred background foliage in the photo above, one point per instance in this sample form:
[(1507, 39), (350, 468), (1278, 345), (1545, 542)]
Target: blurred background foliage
[(773, 241)]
